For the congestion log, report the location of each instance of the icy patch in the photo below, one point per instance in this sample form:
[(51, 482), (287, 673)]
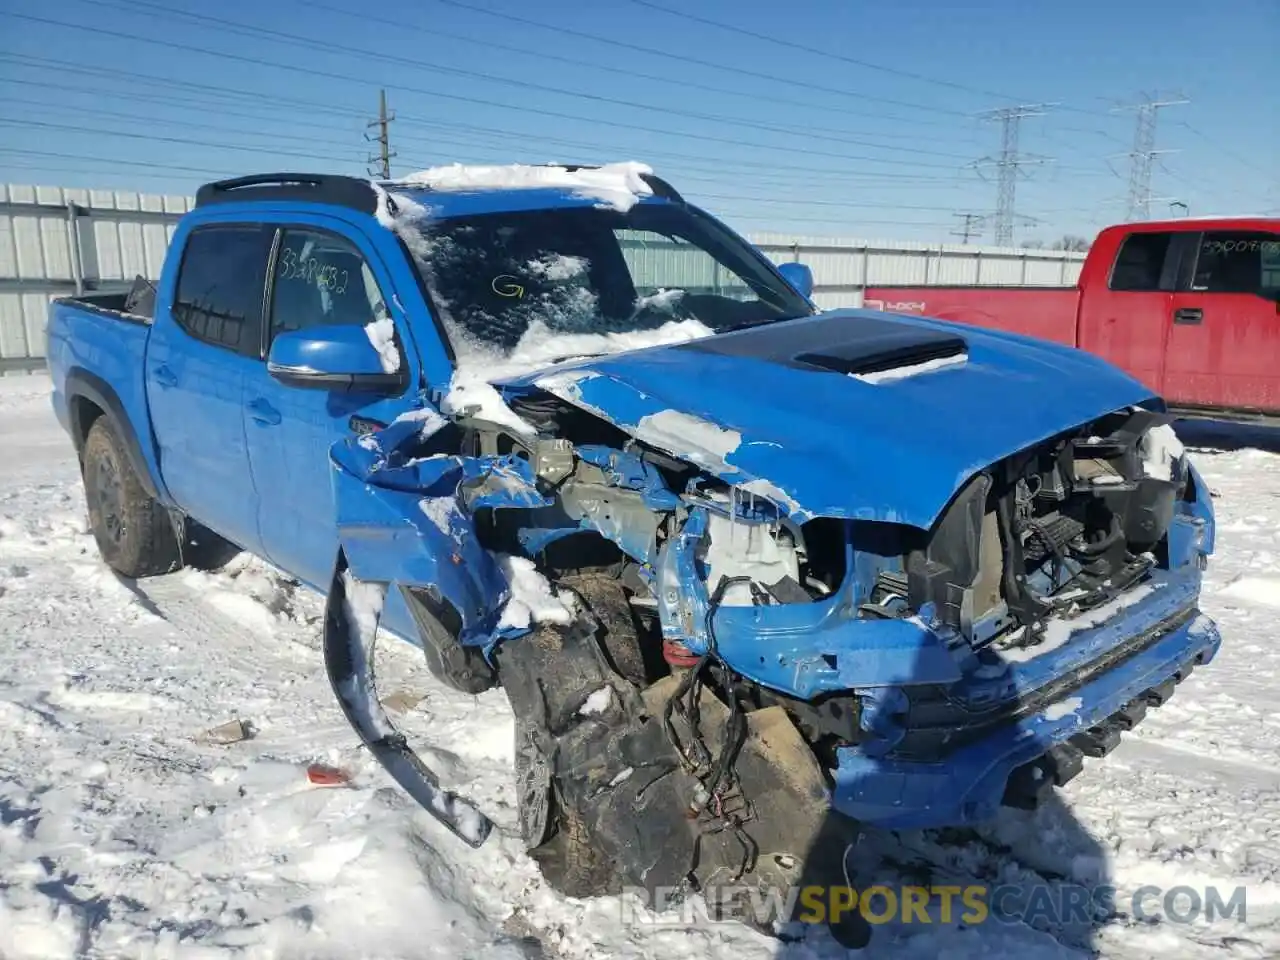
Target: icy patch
[(616, 185), (597, 703), (690, 438), (1058, 631), (1161, 450), (911, 369), (362, 603), (440, 511), (1061, 709), (531, 599), (382, 334), (1264, 591)]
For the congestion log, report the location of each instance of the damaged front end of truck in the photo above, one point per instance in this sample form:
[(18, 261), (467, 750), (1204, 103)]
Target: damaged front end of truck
[(838, 570)]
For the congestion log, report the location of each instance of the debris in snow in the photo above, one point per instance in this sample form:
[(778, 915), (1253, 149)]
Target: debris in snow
[(1063, 708), (617, 185), (556, 266), (531, 599), (597, 703), (362, 603), (323, 775), (233, 731), (691, 438), (440, 511), (911, 369), (382, 334), (1161, 450)]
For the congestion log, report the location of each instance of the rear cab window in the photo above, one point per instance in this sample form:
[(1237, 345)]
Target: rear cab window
[(1237, 261), (1140, 265), (221, 283)]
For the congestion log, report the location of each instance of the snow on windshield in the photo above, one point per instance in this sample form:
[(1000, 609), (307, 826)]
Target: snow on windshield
[(616, 185)]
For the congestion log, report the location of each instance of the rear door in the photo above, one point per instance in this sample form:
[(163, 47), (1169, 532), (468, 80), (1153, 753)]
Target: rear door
[(322, 273), (1125, 321), (1224, 334), (198, 356)]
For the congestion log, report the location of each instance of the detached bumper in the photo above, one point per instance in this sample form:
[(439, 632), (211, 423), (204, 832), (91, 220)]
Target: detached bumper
[(970, 784)]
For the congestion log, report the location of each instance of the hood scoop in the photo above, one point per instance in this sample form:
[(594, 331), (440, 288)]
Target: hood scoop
[(852, 344)]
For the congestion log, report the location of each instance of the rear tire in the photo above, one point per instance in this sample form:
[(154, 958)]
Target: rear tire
[(133, 531)]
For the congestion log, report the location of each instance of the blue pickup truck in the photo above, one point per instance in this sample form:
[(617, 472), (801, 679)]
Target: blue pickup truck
[(749, 572)]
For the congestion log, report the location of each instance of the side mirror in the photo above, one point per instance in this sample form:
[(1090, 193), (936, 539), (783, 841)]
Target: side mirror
[(330, 358), (799, 276)]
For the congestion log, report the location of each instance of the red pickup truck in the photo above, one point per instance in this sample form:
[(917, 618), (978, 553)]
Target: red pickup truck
[(1191, 307)]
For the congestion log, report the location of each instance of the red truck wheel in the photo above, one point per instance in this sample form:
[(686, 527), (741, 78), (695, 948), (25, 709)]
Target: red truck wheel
[(133, 531)]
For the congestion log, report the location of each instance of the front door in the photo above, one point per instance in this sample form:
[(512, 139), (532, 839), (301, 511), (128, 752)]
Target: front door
[(200, 352), (1224, 333), (318, 277)]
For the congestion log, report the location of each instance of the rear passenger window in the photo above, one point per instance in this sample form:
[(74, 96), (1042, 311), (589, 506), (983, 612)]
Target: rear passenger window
[(322, 279), (1141, 262), (221, 284), (1238, 261)]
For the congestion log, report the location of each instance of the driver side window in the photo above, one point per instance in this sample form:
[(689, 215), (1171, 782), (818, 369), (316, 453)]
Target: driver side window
[(322, 279), (658, 262)]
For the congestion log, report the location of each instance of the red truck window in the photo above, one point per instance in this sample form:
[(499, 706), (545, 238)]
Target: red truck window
[(1141, 261), (1238, 261)]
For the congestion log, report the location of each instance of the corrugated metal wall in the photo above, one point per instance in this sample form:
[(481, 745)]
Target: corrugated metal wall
[(56, 241)]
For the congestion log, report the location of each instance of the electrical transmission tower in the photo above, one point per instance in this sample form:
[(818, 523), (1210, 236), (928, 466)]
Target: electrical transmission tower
[(970, 226), (1143, 156), (383, 158), (1009, 164)]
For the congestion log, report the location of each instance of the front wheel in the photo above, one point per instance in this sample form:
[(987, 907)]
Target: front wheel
[(133, 531)]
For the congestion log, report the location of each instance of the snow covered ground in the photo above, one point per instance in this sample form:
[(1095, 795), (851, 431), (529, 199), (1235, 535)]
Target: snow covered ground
[(124, 832)]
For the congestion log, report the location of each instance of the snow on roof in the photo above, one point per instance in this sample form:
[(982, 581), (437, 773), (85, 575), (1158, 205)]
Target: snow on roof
[(617, 185)]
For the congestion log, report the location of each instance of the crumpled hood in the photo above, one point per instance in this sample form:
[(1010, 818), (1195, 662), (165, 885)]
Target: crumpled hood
[(797, 412)]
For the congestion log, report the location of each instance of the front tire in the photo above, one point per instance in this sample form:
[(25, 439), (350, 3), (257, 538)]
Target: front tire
[(133, 531)]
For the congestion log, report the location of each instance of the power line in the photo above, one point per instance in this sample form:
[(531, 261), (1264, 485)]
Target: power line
[(1143, 155), (1009, 164), (416, 63), (816, 51), (710, 64)]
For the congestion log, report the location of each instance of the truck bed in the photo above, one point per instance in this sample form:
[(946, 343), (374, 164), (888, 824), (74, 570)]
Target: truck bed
[(1046, 312)]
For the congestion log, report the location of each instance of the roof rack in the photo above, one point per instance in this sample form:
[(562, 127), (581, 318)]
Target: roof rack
[(314, 187)]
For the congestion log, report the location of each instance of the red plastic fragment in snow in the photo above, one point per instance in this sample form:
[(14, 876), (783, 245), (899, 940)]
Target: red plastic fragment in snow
[(323, 776)]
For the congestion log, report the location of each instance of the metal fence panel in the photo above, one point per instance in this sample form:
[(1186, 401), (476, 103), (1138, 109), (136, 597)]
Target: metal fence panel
[(56, 241)]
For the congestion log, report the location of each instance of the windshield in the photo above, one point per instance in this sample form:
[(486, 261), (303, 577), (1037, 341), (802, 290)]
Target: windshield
[(503, 278)]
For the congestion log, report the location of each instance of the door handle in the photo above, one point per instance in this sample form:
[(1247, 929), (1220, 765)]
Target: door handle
[(1188, 315), (264, 413), (164, 377)]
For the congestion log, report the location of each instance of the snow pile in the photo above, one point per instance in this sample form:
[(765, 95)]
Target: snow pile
[(616, 185), (440, 511), (1161, 450), (382, 334), (911, 369), (478, 367), (432, 422), (531, 599)]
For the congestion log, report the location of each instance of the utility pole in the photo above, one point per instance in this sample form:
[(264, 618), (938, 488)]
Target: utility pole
[(971, 226), (383, 139), (1009, 164), (1144, 153)]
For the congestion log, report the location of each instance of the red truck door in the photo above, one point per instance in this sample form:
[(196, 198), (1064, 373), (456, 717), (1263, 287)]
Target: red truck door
[(1224, 334), (1124, 315)]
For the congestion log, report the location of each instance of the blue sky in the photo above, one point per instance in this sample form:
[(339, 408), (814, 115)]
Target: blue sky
[(873, 140)]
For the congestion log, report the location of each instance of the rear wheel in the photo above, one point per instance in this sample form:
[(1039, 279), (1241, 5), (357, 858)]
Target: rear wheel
[(133, 531)]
